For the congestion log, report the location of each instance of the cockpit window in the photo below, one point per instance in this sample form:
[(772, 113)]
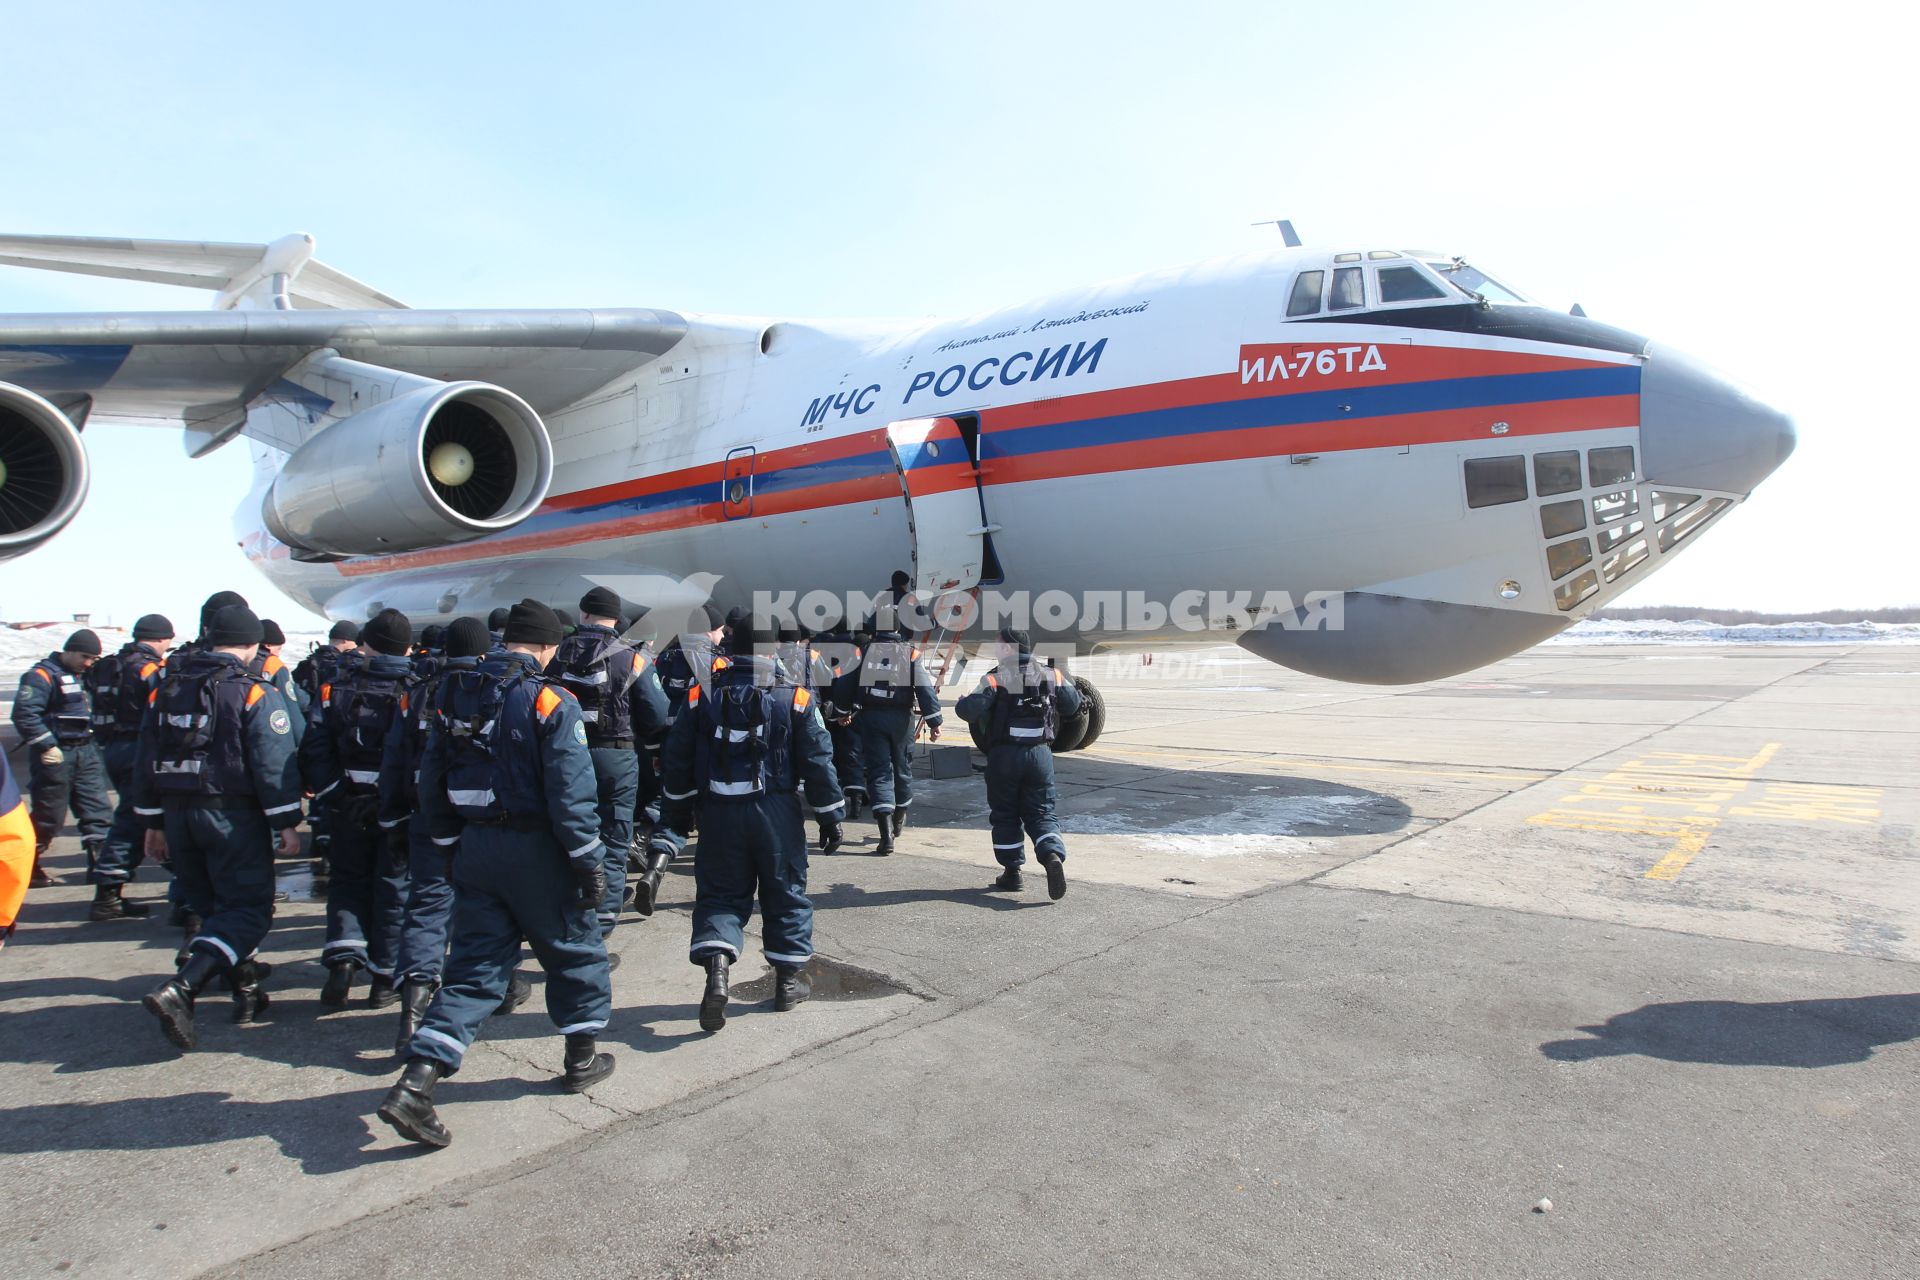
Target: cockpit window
[(1349, 289), (1306, 293), (1472, 280), (1406, 284)]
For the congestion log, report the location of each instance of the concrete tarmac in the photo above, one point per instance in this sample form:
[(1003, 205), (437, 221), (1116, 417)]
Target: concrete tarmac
[(1347, 982)]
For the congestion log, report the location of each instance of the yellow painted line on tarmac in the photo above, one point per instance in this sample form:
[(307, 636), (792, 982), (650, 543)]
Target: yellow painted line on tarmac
[(1683, 851)]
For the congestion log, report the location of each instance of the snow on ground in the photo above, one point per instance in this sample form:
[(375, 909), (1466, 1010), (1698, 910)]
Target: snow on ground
[(1600, 631)]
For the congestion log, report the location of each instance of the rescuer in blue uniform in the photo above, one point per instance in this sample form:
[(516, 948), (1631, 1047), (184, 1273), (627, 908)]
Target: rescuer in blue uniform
[(885, 689), (1020, 705), (340, 760), (429, 914), (266, 661), (215, 779), (54, 716), (835, 653), (739, 754), (320, 666), (621, 704), (121, 686), (507, 773)]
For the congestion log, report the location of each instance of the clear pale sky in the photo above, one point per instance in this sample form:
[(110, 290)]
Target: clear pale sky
[(1733, 180)]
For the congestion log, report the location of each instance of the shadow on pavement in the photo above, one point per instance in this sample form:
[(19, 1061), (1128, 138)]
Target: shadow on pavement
[(853, 895), (325, 1134), (1790, 1033)]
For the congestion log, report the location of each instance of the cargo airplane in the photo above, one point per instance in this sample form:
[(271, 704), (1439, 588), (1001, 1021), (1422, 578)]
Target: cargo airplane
[(1470, 472)]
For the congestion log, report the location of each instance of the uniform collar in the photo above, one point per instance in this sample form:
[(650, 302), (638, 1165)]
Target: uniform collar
[(506, 659)]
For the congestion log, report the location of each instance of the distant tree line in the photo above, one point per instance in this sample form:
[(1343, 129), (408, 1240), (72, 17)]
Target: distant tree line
[(1737, 617)]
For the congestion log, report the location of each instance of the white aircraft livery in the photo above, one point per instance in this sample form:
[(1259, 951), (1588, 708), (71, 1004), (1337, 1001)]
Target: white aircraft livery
[(1375, 465)]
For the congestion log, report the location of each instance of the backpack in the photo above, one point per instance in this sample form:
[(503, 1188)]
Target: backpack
[(736, 760), (360, 718), (184, 707), (117, 702), (585, 668), (467, 708), (1027, 717), (890, 684)]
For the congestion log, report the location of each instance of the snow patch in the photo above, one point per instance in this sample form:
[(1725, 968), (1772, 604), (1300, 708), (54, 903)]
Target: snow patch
[(1604, 631)]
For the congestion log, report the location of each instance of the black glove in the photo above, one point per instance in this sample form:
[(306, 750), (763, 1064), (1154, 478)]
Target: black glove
[(831, 834), (590, 877)]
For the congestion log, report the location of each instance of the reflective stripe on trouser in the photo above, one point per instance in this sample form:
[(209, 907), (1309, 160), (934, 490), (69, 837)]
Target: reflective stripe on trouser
[(846, 758), (886, 747), (511, 885), (367, 895), (616, 773), (755, 845), (429, 915), (224, 859), (1020, 794), (78, 782)]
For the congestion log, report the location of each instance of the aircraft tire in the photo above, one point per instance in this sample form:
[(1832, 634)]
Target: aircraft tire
[(1095, 711)]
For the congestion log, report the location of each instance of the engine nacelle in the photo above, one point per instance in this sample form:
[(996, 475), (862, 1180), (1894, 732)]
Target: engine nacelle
[(439, 463), (43, 470)]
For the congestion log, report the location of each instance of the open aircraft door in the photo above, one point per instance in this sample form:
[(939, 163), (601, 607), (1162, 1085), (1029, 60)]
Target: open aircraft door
[(939, 464)]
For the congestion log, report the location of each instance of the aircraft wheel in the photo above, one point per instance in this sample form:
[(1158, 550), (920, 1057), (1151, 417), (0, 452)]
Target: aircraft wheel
[(1095, 712)]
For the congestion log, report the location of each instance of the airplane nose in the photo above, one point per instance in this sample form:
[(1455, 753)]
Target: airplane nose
[(1699, 431)]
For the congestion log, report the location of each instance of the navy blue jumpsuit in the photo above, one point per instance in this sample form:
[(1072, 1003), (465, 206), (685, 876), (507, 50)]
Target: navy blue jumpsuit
[(51, 709), (739, 754), (121, 686), (217, 771), (1020, 705), (886, 688), (506, 773)]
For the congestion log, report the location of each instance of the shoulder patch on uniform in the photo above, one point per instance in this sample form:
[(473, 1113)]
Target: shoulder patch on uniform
[(639, 662), (580, 732), (546, 702), (35, 671), (279, 723)]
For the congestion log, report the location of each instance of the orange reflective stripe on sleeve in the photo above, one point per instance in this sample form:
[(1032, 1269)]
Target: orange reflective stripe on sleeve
[(639, 663), (326, 692), (802, 699), (993, 681), (720, 663), (693, 695), (546, 703), (35, 671), (256, 693), (146, 672), (273, 666)]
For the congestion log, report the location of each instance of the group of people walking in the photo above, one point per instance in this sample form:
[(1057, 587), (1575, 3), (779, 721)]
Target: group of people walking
[(484, 786)]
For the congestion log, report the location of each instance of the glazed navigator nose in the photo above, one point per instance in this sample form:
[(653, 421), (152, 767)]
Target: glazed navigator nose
[(1699, 431)]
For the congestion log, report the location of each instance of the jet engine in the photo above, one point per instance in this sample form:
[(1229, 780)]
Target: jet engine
[(43, 471), (439, 463)]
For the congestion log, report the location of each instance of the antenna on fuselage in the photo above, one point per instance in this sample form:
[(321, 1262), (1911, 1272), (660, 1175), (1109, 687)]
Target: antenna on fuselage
[(1287, 234)]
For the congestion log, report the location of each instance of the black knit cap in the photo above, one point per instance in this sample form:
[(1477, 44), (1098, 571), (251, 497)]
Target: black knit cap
[(1020, 640), (434, 637), (153, 626), (82, 641), (270, 632), (344, 630), (531, 622), (232, 627), (468, 638), (498, 618), (388, 632), (215, 603), (602, 603)]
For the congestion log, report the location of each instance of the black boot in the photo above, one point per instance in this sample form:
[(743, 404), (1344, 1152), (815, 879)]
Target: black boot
[(415, 995), (1010, 881), (249, 1001), (108, 904), (339, 982), (585, 1066), (899, 820), (790, 987), (172, 1000), (381, 992), (856, 803), (885, 822), (40, 877), (189, 930), (646, 889), (713, 1004), (1056, 875), (518, 992), (408, 1106)]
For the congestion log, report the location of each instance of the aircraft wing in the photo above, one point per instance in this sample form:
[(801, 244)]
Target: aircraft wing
[(203, 369)]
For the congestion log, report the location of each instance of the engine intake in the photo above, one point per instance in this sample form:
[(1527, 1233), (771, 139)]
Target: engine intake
[(43, 470), (439, 463)]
